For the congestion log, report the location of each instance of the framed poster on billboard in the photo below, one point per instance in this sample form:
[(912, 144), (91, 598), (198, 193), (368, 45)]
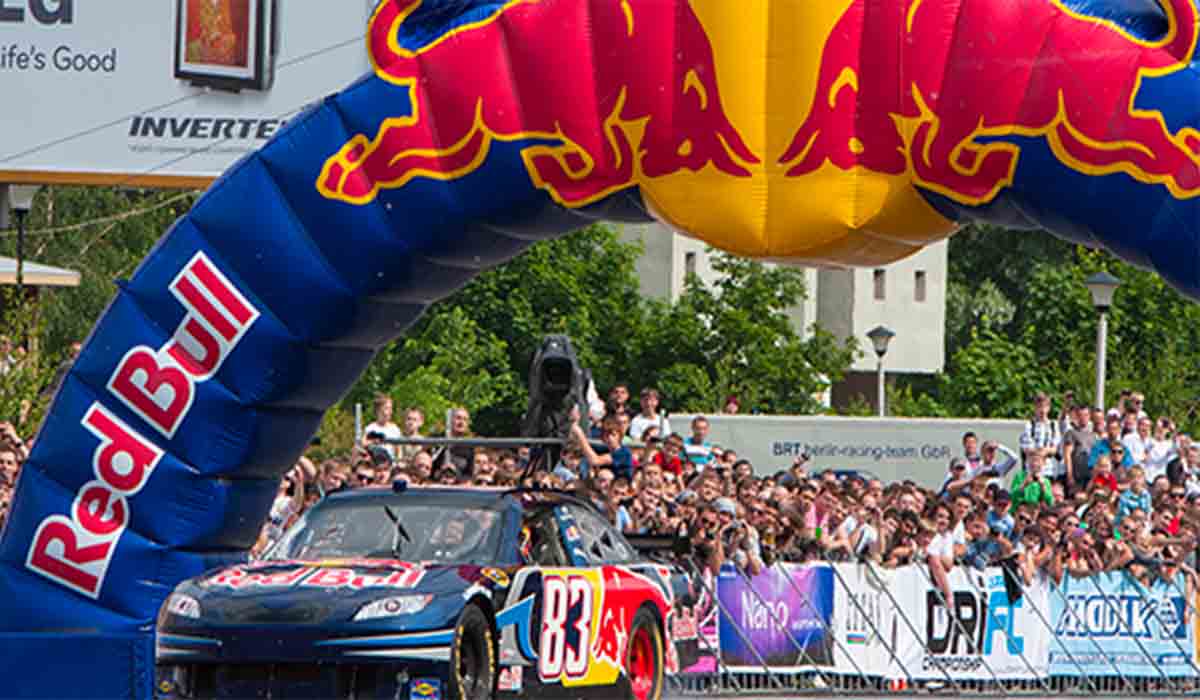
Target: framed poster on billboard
[(225, 44)]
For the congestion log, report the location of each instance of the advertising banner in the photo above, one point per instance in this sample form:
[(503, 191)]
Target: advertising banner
[(990, 632), (1112, 621), (173, 92), (893, 449), (781, 617), (864, 621)]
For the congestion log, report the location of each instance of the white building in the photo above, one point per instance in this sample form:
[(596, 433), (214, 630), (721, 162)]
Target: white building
[(908, 296)]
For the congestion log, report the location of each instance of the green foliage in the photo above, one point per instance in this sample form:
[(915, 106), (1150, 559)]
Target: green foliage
[(1050, 343), (474, 348), (26, 371), (907, 402), (983, 307), (993, 376)]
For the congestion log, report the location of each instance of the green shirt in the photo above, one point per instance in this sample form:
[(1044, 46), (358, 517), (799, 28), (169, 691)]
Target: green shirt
[(1035, 492)]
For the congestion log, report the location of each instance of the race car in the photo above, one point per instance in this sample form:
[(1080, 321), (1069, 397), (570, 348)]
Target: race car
[(430, 593)]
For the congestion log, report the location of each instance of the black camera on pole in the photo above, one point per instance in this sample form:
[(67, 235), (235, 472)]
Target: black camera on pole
[(557, 387)]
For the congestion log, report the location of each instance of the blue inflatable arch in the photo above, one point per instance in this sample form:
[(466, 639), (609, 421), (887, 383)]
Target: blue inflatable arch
[(210, 370)]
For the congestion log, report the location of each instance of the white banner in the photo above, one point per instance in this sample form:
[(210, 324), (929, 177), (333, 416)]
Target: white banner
[(894, 449), (174, 91), (987, 635), (864, 621)]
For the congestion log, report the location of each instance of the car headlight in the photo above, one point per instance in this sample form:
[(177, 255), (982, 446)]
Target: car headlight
[(183, 606), (390, 607)]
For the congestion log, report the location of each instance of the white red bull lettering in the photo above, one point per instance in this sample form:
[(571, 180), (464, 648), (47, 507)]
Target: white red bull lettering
[(75, 552), (159, 387)]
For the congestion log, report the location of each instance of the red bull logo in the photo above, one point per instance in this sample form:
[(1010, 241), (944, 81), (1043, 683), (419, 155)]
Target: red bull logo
[(910, 87), (616, 91)]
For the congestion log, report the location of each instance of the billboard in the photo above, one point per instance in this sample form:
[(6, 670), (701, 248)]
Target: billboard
[(891, 448), (162, 93)]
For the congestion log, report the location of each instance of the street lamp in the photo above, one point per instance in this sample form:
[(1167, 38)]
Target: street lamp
[(1102, 286), (880, 337), (20, 199)]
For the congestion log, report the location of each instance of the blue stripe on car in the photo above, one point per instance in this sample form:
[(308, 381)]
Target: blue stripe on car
[(391, 640)]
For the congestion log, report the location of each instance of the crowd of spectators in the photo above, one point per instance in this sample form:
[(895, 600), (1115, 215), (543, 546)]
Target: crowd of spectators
[(1085, 491)]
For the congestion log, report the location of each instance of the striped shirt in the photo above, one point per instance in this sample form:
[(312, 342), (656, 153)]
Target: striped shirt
[(700, 454)]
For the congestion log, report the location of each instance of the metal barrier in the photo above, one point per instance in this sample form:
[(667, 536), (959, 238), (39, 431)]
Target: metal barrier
[(830, 628)]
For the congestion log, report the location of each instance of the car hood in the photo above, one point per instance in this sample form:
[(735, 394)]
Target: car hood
[(331, 591)]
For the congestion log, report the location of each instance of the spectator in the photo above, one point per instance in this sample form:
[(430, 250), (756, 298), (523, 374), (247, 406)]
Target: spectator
[(1139, 443), (1042, 435), (612, 454), (1111, 445), (383, 424), (731, 406), (971, 453), (940, 552), (461, 456), (1077, 442), (996, 462), (739, 542), (988, 544), (414, 420), (697, 447), (649, 416), (1029, 485), (999, 519), (1135, 497), (618, 400), (957, 478)]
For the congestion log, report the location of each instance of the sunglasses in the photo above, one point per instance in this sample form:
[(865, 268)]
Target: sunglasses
[(1178, 494)]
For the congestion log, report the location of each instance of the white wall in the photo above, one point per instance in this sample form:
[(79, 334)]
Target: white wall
[(919, 345)]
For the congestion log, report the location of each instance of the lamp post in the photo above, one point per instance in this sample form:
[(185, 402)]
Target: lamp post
[(1102, 286), (880, 337), (20, 199)]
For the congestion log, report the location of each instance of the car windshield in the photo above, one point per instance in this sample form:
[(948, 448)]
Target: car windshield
[(439, 531)]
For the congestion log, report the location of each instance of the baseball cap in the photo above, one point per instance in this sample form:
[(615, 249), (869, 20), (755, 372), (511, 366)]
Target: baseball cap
[(726, 505), (1002, 496)]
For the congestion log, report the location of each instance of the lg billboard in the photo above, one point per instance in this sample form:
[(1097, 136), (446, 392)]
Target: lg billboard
[(164, 93)]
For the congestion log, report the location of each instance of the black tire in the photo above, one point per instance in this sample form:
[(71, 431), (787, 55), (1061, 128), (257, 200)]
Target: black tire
[(644, 622), (473, 657)]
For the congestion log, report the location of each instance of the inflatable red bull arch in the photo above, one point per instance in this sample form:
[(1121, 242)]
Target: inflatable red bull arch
[(846, 132)]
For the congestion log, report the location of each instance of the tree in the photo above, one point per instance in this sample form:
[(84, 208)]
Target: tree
[(737, 337), (993, 376)]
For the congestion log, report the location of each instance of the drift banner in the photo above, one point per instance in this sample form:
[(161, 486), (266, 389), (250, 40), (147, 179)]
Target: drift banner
[(987, 634), (782, 617), (1112, 621)]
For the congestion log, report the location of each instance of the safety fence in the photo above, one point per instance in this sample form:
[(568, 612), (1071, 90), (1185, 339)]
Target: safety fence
[(858, 628)]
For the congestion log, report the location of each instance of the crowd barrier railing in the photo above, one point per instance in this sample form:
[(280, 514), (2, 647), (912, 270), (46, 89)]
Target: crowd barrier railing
[(859, 628)]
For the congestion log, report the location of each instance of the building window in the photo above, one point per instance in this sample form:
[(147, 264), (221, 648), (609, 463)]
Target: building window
[(880, 285), (919, 285), (689, 264)]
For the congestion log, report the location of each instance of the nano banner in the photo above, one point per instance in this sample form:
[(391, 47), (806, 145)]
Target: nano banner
[(781, 617)]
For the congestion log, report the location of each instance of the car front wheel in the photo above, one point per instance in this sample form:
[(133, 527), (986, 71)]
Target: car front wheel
[(473, 657), (644, 657)]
